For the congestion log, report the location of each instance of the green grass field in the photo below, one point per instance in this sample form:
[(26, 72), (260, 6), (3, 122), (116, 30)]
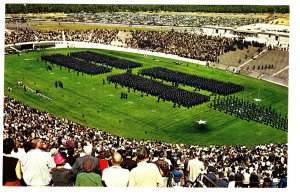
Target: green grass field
[(85, 100)]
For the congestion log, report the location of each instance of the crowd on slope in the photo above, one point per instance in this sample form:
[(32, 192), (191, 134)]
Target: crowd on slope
[(70, 154), (102, 36), (189, 45), (25, 35), (199, 47)]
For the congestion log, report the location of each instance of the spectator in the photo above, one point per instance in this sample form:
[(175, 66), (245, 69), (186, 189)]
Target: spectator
[(283, 181), (210, 179), (177, 174), (163, 167), (231, 183), (60, 175), (103, 162), (246, 179), (71, 159), (239, 177), (11, 166), (267, 181), (116, 176), (222, 182), (195, 167), (128, 163), (145, 174), (19, 151), (87, 178), (77, 167), (37, 158), (254, 180)]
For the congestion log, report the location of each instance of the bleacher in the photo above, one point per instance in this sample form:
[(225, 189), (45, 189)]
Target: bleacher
[(236, 58), (284, 74), (270, 65), (279, 60)]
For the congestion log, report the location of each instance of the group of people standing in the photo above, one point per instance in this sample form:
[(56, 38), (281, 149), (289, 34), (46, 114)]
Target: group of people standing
[(211, 85), (75, 64), (38, 167), (163, 92), (106, 60)]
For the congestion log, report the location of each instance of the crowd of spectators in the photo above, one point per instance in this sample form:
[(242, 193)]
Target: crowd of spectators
[(158, 19), (75, 64), (164, 92), (199, 47), (106, 59), (21, 36), (189, 45), (102, 36), (65, 145), (212, 85)]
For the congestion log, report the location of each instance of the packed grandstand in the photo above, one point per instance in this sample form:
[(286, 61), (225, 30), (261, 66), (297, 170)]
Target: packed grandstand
[(76, 155)]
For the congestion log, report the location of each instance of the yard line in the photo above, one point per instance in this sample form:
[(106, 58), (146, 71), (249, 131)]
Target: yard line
[(252, 58), (280, 71)]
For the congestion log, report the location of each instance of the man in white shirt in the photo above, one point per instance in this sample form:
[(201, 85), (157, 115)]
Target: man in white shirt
[(116, 176), (246, 179), (195, 167), (145, 174), (36, 165)]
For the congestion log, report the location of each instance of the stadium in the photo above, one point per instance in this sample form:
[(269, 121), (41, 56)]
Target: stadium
[(203, 83)]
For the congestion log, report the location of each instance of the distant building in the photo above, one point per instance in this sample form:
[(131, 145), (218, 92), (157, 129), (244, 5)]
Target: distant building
[(270, 34)]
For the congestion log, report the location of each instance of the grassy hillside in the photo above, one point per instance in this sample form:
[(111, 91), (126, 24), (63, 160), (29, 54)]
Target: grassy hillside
[(85, 100)]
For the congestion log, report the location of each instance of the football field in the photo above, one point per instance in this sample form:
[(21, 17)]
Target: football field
[(84, 99)]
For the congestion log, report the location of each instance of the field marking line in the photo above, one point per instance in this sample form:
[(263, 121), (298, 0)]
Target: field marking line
[(103, 105), (280, 71), (252, 58)]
